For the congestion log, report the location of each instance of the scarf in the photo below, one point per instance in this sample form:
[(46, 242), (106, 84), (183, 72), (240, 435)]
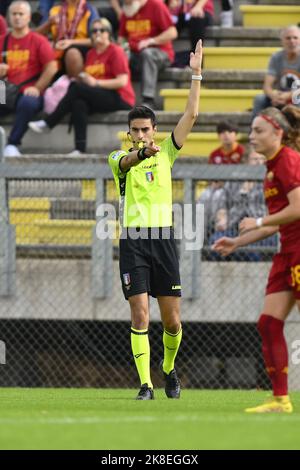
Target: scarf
[(66, 31)]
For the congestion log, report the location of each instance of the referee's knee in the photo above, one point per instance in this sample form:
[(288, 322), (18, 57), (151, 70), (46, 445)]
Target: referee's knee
[(172, 325)]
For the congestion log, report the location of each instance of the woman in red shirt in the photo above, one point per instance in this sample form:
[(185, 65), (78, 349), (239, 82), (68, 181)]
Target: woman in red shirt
[(104, 86), (273, 134)]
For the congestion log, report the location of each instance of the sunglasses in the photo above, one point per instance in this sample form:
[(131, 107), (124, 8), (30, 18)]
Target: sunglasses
[(100, 30)]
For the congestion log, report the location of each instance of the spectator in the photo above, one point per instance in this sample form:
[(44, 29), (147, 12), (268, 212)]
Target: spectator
[(69, 24), (230, 151), (226, 15), (104, 86), (29, 55), (4, 6), (239, 200), (148, 27), (3, 26), (283, 73), (196, 15)]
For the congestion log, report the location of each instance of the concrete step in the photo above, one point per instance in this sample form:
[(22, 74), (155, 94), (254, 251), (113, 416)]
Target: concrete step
[(276, 16), (211, 100), (237, 36), (197, 144), (240, 58), (103, 130)]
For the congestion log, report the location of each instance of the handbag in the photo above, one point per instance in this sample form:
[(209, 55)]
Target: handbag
[(12, 91), (54, 94)]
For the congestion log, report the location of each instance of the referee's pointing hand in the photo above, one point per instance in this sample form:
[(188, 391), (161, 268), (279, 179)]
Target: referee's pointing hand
[(151, 149)]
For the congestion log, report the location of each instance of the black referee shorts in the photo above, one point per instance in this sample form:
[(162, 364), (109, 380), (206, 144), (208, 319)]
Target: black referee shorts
[(149, 263)]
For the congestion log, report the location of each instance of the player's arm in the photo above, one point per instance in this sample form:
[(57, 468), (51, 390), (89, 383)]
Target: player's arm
[(48, 73), (289, 214), (135, 157), (189, 117), (268, 86), (225, 245)]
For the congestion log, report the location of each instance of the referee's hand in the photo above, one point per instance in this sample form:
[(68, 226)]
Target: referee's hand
[(151, 149)]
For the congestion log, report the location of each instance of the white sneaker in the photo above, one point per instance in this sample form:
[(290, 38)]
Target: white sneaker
[(11, 151), (226, 19), (38, 126), (75, 153)]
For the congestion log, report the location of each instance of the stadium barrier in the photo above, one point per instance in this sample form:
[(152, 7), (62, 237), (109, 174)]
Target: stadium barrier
[(62, 315)]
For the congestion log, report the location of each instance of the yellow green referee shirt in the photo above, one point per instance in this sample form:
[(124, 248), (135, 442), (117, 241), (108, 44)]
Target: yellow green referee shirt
[(145, 190)]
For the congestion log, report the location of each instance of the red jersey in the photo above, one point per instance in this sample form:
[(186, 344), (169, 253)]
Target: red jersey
[(3, 27), (220, 157), (283, 175), (26, 57), (150, 21), (109, 64)]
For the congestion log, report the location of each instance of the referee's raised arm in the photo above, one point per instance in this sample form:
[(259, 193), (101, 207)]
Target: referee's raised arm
[(189, 117)]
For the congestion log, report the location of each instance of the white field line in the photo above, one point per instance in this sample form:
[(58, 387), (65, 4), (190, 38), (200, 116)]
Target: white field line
[(271, 418)]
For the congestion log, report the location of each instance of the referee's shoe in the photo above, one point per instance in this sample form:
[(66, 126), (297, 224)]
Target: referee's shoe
[(172, 383), (145, 393)]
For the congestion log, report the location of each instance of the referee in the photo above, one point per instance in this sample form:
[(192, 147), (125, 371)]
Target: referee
[(148, 259)]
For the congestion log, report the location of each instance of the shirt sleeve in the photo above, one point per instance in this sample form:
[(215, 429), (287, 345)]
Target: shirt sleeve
[(170, 147), (120, 63), (122, 29), (114, 162), (273, 68), (46, 53), (163, 17), (2, 26), (289, 173)]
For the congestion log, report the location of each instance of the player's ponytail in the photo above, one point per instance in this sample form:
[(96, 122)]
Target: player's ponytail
[(292, 137)]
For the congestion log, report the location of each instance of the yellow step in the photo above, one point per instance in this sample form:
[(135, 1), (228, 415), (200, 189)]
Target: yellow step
[(69, 232), (112, 196), (26, 210), (211, 100), (197, 144), (88, 190), (65, 232), (238, 58), (27, 234), (270, 16)]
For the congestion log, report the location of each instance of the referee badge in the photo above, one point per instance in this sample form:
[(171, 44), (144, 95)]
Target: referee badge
[(149, 176)]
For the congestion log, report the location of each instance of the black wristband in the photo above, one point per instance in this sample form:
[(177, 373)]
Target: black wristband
[(141, 154)]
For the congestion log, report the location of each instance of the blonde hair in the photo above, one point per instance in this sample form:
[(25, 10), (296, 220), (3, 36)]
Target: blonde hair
[(105, 23)]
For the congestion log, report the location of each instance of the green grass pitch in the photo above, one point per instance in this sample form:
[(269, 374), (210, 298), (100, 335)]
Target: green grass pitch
[(112, 419)]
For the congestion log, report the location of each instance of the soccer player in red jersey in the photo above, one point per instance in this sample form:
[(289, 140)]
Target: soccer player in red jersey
[(273, 134)]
